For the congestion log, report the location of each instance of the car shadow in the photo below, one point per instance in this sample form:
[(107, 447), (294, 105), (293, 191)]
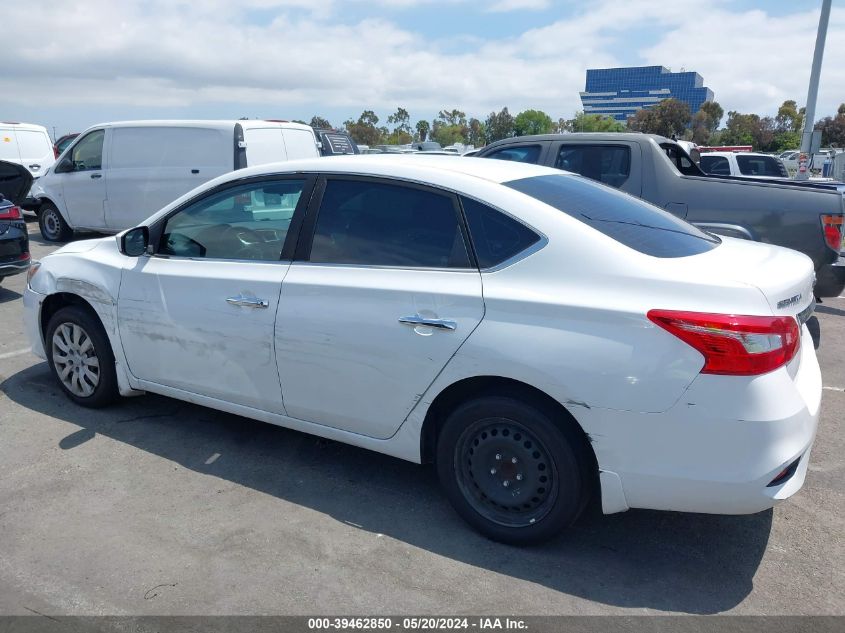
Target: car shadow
[(665, 561), (830, 310), (7, 295)]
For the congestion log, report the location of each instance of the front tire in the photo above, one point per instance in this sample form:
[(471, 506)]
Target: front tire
[(52, 224), (511, 471), (81, 358)]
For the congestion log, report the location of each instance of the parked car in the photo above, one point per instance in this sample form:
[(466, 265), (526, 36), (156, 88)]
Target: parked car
[(143, 165), (63, 143), (750, 164), (15, 181), (804, 216), (334, 143), (28, 145), (615, 349)]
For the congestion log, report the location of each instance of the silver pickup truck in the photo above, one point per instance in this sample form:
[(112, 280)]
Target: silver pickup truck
[(804, 216)]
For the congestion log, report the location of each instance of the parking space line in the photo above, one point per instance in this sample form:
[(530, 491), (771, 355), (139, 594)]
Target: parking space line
[(833, 388), (18, 352)]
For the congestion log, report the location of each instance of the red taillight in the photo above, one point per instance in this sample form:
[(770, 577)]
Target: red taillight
[(10, 213), (832, 227), (733, 344)]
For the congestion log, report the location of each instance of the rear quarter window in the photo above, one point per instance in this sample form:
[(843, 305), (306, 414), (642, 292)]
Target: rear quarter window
[(496, 237), (628, 220)]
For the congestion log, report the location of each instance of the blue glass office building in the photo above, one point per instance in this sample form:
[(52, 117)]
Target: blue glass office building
[(619, 92)]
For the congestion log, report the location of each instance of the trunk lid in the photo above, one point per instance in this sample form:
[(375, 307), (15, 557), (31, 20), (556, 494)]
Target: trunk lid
[(784, 277), (15, 182)]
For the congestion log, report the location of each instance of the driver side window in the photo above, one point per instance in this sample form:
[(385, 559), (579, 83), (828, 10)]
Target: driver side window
[(87, 154), (247, 222)]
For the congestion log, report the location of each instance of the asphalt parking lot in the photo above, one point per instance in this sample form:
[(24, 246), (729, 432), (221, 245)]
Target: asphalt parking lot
[(156, 506)]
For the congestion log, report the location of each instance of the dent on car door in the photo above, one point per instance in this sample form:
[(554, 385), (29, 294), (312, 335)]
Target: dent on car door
[(199, 314), (375, 305)]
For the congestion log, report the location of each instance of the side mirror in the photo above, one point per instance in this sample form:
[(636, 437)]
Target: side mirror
[(134, 242), (64, 166)]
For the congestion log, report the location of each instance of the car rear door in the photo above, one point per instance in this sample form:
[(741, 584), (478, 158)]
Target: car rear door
[(381, 295)]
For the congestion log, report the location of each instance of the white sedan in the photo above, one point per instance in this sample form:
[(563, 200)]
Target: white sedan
[(540, 337)]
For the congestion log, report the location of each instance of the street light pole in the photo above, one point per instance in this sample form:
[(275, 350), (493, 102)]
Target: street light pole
[(813, 91)]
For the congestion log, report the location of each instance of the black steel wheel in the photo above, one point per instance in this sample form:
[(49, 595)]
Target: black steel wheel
[(512, 470)]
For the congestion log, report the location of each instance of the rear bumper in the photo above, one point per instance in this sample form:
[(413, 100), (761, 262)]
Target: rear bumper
[(719, 449), (7, 269), (830, 279), (14, 248)]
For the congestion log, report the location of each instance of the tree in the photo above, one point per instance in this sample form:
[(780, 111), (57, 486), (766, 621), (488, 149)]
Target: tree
[(318, 122), (668, 117), (499, 125), (789, 118), (477, 132), (532, 122), (749, 129), (714, 113), (700, 128), (402, 120), (364, 130), (833, 130), (450, 127), (423, 128), (594, 123)]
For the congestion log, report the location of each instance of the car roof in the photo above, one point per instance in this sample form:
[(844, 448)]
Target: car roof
[(207, 123), (587, 136), (23, 126), (427, 168)]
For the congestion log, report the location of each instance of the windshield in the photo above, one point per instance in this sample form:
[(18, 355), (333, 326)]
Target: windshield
[(628, 220)]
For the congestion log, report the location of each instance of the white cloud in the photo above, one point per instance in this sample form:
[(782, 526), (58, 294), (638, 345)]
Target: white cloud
[(502, 6), (157, 54)]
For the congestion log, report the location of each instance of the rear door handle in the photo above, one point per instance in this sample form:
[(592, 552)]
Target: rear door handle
[(96, 175), (441, 324), (248, 302)]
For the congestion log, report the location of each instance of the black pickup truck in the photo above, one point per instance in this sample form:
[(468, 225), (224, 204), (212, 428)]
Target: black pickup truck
[(804, 216)]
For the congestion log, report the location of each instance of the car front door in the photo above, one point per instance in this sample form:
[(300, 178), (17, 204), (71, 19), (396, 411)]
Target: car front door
[(83, 184), (381, 295), (198, 314)]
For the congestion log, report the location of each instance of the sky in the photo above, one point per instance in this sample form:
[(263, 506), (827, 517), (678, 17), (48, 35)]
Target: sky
[(70, 65)]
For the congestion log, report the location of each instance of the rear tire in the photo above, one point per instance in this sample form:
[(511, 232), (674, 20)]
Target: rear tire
[(512, 471), (80, 357), (52, 224)]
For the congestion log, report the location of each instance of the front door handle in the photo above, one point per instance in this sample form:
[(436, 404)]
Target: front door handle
[(35, 167), (441, 324), (248, 302), (96, 175)]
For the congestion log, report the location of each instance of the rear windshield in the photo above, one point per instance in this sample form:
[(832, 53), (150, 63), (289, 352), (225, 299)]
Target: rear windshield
[(760, 166), (626, 219)]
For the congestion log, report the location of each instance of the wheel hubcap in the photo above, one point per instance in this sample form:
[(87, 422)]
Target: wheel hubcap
[(505, 473), (75, 359), (51, 223)]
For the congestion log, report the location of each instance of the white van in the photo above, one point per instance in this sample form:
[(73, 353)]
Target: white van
[(28, 145), (116, 175)]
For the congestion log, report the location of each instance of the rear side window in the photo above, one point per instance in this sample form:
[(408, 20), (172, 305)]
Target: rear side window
[(716, 165), (495, 236), (169, 147), (379, 224), (626, 219), (519, 154), (760, 166), (609, 164)]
